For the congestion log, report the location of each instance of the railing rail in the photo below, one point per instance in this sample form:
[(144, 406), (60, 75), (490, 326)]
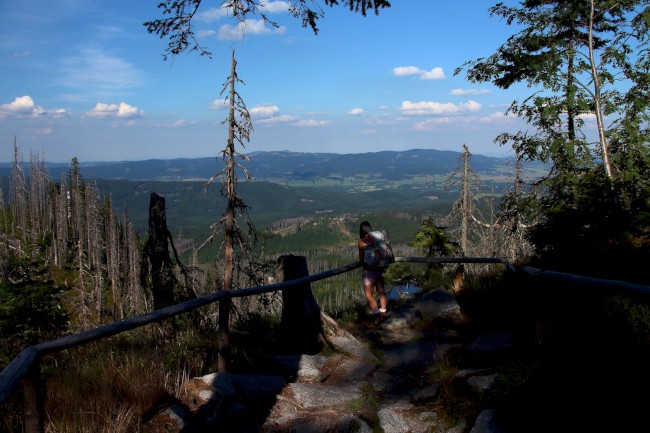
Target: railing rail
[(19, 366), (25, 367), (622, 287)]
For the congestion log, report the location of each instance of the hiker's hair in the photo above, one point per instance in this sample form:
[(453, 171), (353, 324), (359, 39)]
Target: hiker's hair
[(364, 229)]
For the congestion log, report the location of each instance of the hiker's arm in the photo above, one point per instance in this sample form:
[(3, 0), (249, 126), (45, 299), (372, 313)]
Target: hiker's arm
[(362, 245)]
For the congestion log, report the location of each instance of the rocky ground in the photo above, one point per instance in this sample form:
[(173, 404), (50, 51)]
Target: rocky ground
[(388, 374)]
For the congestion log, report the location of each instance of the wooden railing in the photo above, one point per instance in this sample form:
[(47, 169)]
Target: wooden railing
[(611, 286), (24, 370)]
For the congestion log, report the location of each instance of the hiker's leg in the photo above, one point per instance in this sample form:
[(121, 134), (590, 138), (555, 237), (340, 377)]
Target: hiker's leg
[(383, 300), (370, 296)]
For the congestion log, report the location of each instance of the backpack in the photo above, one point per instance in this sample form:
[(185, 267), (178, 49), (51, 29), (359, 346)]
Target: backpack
[(378, 254)]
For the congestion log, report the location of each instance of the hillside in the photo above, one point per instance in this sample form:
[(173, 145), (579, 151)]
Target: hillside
[(295, 167), (192, 208), (287, 185)]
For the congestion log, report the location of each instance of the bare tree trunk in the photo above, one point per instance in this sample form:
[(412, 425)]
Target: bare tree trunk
[(38, 180), (230, 181), (161, 270), (597, 98), (17, 197), (465, 203), (112, 251), (136, 300), (61, 211)]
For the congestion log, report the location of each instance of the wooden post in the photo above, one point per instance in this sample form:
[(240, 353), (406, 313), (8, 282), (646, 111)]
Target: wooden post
[(301, 323), (33, 412)]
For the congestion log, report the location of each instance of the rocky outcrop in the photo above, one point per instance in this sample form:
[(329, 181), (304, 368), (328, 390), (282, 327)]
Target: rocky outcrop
[(372, 378)]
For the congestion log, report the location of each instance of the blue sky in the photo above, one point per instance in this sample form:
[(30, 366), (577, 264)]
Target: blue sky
[(84, 79)]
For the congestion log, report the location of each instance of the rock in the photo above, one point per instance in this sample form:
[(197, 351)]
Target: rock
[(426, 394), (300, 368), (350, 370), (353, 348), (486, 423), (482, 384), (490, 343), (172, 419), (320, 422), (351, 388), (440, 305), (199, 396), (403, 417), (311, 396), (487, 350)]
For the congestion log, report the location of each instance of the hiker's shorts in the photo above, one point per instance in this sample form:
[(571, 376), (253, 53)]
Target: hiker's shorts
[(370, 277)]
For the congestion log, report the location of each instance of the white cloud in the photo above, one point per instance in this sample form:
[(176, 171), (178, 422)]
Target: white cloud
[(24, 106), (382, 121), (267, 7), (128, 111), (58, 112), (465, 121), (274, 7), (311, 122), (434, 74), (355, 111), (129, 122), (174, 124), (121, 111), (205, 33), (285, 118), (213, 14), (99, 73), (465, 92), (423, 108), (218, 104), (41, 131), (428, 124), (248, 27), (264, 110), (401, 71)]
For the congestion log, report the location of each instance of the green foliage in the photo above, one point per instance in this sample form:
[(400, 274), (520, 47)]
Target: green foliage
[(632, 319), (177, 22), (594, 226), (433, 241), (30, 313)]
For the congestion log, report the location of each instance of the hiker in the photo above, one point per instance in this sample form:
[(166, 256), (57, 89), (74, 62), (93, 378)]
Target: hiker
[(373, 277)]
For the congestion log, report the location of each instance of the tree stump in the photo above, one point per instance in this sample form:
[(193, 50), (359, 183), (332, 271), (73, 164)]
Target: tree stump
[(301, 324), (162, 276)]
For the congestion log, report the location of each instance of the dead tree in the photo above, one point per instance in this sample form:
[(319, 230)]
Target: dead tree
[(465, 217), (162, 275), (239, 129)]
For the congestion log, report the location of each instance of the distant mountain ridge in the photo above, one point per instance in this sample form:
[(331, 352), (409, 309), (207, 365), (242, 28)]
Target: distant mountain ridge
[(286, 166)]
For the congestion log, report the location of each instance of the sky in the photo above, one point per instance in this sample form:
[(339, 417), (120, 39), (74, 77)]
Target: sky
[(84, 79)]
